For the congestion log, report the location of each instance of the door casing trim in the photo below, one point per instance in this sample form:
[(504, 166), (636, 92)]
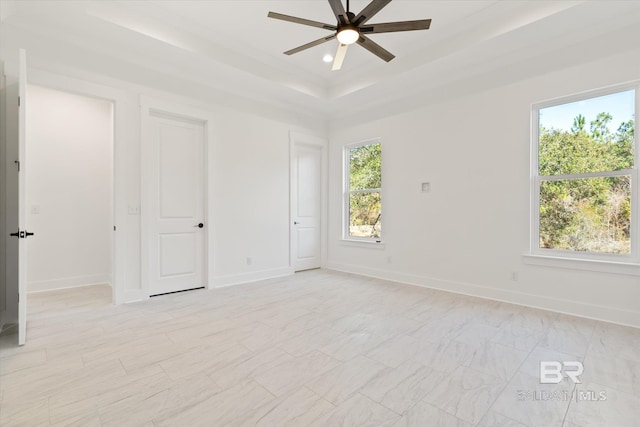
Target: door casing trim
[(149, 107)]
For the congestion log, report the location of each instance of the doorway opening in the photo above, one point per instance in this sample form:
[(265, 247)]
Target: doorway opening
[(70, 193)]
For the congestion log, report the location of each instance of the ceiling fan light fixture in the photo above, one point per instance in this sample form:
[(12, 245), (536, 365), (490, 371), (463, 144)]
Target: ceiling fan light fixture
[(348, 35), (350, 28)]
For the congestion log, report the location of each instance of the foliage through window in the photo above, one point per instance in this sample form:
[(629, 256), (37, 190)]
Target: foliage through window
[(363, 183), (585, 175)]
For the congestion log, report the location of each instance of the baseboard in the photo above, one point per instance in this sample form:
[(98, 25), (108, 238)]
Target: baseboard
[(254, 276), (68, 282), (135, 295), (574, 308)]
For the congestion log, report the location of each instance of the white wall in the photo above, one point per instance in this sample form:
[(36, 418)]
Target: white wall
[(467, 235), (251, 196), (470, 232), (250, 171), (69, 181)]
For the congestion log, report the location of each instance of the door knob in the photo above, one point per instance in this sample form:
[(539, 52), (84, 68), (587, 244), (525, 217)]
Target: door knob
[(201, 225), (21, 234), (295, 223)]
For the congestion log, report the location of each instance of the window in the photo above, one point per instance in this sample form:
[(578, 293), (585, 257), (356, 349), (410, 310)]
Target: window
[(362, 196), (585, 177)]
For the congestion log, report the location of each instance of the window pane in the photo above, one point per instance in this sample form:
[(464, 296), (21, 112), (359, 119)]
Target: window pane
[(592, 214), (365, 170), (592, 135), (364, 215)]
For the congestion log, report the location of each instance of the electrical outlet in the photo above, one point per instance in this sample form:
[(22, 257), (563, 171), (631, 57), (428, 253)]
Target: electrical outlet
[(514, 276), (426, 187), (249, 261), (35, 209), (134, 210), (389, 260)]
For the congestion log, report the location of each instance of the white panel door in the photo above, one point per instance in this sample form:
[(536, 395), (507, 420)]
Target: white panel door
[(22, 197), (306, 200), (176, 203)]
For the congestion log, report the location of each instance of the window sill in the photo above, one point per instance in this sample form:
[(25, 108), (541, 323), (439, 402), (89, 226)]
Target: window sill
[(615, 267), (362, 244)]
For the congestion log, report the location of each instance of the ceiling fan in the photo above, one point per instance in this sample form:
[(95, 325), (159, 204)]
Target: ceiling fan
[(351, 28)]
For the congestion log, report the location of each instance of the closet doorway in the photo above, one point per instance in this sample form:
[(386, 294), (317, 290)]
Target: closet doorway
[(70, 198)]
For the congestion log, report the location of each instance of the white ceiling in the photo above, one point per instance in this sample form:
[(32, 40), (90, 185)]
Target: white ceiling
[(230, 47)]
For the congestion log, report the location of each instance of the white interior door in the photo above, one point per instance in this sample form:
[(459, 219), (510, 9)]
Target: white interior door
[(306, 201), (176, 214), (22, 197)]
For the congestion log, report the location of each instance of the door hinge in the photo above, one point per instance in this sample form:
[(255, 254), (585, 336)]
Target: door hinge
[(18, 101), (17, 162), (114, 228)]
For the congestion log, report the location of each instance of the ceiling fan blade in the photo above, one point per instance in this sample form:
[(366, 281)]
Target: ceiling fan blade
[(375, 48), (310, 44), (390, 27), (368, 12), (338, 10), (339, 59), (302, 21)]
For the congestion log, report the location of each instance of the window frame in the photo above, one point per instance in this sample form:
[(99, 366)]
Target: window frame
[(536, 180), (346, 192)]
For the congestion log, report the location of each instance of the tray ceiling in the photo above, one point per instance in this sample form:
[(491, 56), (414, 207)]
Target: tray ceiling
[(232, 47)]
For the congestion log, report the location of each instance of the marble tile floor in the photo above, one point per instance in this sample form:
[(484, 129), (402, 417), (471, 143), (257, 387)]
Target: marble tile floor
[(318, 348)]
